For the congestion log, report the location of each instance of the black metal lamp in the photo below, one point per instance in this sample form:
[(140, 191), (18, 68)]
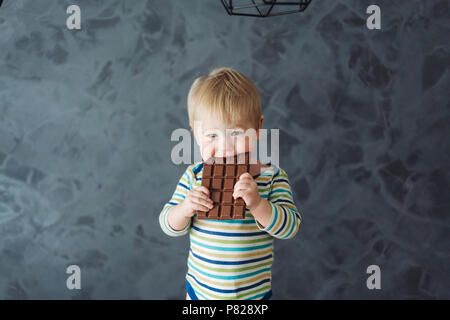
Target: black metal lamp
[(264, 8)]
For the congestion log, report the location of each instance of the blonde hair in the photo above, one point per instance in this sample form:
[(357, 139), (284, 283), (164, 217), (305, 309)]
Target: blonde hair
[(228, 94)]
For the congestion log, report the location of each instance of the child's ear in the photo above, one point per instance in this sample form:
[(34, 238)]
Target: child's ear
[(260, 126), (192, 130), (193, 133)]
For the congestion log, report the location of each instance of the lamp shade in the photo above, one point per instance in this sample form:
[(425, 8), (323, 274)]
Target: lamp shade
[(264, 8)]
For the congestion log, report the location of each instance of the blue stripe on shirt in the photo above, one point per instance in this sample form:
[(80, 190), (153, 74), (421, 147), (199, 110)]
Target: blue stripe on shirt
[(184, 186), (239, 276), (284, 222), (229, 291), (197, 168), (232, 248), (230, 262), (283, 200), (230, 234), (278, 180)]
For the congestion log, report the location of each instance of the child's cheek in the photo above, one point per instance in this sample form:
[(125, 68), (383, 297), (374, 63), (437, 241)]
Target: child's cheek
[(245, 144), (206, 150)]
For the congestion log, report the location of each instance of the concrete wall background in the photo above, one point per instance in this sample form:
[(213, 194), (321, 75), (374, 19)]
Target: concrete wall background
[(86, 118)]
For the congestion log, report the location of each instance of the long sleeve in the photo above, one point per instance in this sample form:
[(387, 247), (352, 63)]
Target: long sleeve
[(183, 186), (285, 219)]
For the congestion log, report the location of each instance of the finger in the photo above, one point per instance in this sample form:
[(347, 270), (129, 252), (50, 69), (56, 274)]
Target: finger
[(238, 194), (202, 189), (202, 201), (244, 181), (243, 185), (199, 207), (245, 176), (200, 194)]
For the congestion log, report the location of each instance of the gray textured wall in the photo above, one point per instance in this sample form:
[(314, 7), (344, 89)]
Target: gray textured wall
[(86, 118)]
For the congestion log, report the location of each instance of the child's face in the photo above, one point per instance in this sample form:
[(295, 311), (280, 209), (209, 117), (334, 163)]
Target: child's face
[(216, 139)]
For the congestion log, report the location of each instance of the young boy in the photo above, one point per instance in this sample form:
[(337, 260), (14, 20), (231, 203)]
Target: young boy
[(229, 259)]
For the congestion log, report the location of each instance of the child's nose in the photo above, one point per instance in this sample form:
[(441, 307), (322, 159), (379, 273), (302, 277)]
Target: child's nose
[(226, 148)]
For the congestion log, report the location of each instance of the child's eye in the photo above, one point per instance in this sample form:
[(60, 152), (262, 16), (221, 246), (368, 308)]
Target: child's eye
[(212, 135), (236, 132)]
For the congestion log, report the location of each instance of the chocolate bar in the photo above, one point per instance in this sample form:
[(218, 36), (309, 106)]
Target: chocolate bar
[(219, 176)]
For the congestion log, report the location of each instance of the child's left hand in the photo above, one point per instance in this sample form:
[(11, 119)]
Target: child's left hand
[(247, 188)]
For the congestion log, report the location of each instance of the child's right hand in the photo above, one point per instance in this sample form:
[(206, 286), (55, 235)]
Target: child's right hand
[(196, 199)]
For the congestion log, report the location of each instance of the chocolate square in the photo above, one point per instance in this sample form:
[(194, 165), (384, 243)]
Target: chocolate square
[(216, 183), (227, 197), (206, 182), (215, 197), (230, 170), (218, 170), (228, 184), (226, 212)]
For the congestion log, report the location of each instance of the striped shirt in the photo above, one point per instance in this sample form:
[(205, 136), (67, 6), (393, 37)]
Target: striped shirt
[(232, 259)]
